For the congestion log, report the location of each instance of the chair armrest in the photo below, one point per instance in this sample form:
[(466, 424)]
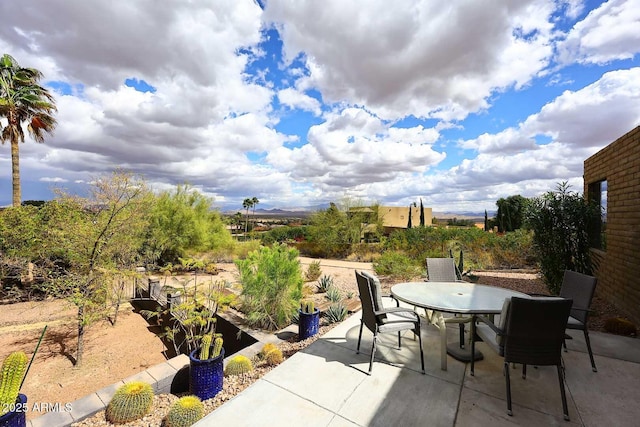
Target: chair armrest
[(392, 297), (396, 310), (490, 324)]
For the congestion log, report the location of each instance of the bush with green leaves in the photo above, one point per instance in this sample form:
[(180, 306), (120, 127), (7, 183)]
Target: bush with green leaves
[(271, 280), (561, 221), (398, 266), (283, 235), (182, 222)]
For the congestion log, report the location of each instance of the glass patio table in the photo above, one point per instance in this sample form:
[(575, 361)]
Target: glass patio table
[(456, 298)]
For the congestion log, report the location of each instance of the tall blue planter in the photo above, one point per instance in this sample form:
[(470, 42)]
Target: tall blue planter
[(206, 376), (308, 324), (17, 418)]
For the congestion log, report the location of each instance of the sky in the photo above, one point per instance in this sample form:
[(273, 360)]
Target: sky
[(301, 103)]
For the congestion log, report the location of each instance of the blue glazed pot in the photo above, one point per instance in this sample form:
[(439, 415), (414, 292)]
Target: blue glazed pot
[(17, 418), (206, 376), (308, 324)]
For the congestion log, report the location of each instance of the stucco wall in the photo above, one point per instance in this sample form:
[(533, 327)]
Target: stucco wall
[(618, 267)]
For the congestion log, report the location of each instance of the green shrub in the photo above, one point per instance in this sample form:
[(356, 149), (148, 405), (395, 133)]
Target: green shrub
[(313, 271), (561, 221), (271, 286), (131, 401), (398, 266), (185, 411), (238, 365)]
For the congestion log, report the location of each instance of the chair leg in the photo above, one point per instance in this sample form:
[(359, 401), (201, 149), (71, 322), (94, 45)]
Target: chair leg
[(508, 381), (399, 341), (421, 352), (373, 351), (563, 393), (586, 338), (473, 344), (461, 325), (359, 337), (524, 371)]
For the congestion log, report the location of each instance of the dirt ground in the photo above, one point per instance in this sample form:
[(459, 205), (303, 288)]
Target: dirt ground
[(115, 352)]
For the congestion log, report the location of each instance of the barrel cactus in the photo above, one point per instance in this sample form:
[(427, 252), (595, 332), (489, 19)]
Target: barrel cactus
[(238, 365), (13, 369), (130, 402), (274, 357), (266, 349), (185, 411)]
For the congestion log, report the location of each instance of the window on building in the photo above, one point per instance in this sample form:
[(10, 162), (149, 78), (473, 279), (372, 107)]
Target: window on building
[(598, 195)]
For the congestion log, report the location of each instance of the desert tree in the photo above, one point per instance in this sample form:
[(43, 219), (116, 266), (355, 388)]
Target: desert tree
[(23, 103), (101, 237)]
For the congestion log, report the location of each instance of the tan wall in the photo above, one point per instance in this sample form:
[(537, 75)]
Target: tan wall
[(398, 217), (618, 268)]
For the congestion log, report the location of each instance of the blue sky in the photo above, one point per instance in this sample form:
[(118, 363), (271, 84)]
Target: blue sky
[(303, 103)]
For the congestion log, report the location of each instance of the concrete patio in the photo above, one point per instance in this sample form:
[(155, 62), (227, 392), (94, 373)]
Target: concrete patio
[(326, 385)]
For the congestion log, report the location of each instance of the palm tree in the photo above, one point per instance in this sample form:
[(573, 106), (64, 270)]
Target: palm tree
[(246, 204), (254, 202), (23, 101)]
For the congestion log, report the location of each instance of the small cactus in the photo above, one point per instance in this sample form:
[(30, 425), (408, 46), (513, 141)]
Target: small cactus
[(266, 349), (130, 402), (274, 357), (307, 306), (238, 365), (325, 283), (13, 369), (185, 411), (217, 346), (206, 346)]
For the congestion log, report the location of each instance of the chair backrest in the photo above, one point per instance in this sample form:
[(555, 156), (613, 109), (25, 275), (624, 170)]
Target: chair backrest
[(580, 288), (367, 300), (535, 330), (441, 270)]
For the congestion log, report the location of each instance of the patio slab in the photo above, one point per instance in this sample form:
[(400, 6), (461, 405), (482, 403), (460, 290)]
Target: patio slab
[(326, 385)]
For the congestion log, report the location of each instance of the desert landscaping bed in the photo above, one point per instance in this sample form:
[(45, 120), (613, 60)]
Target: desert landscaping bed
[(116, 352)]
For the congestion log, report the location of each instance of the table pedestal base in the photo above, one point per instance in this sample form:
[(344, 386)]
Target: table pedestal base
[(463, 354)]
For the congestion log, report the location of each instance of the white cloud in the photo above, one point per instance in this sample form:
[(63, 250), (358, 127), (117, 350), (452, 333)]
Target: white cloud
[(608, 33), (429, 60), (293, 99), (353, 147)]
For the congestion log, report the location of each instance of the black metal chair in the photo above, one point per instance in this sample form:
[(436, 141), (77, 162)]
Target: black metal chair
[(530, 331), (580, 288), (381, 320)]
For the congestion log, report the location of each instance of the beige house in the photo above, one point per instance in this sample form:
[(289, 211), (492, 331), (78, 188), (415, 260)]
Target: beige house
[(394, 217)]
